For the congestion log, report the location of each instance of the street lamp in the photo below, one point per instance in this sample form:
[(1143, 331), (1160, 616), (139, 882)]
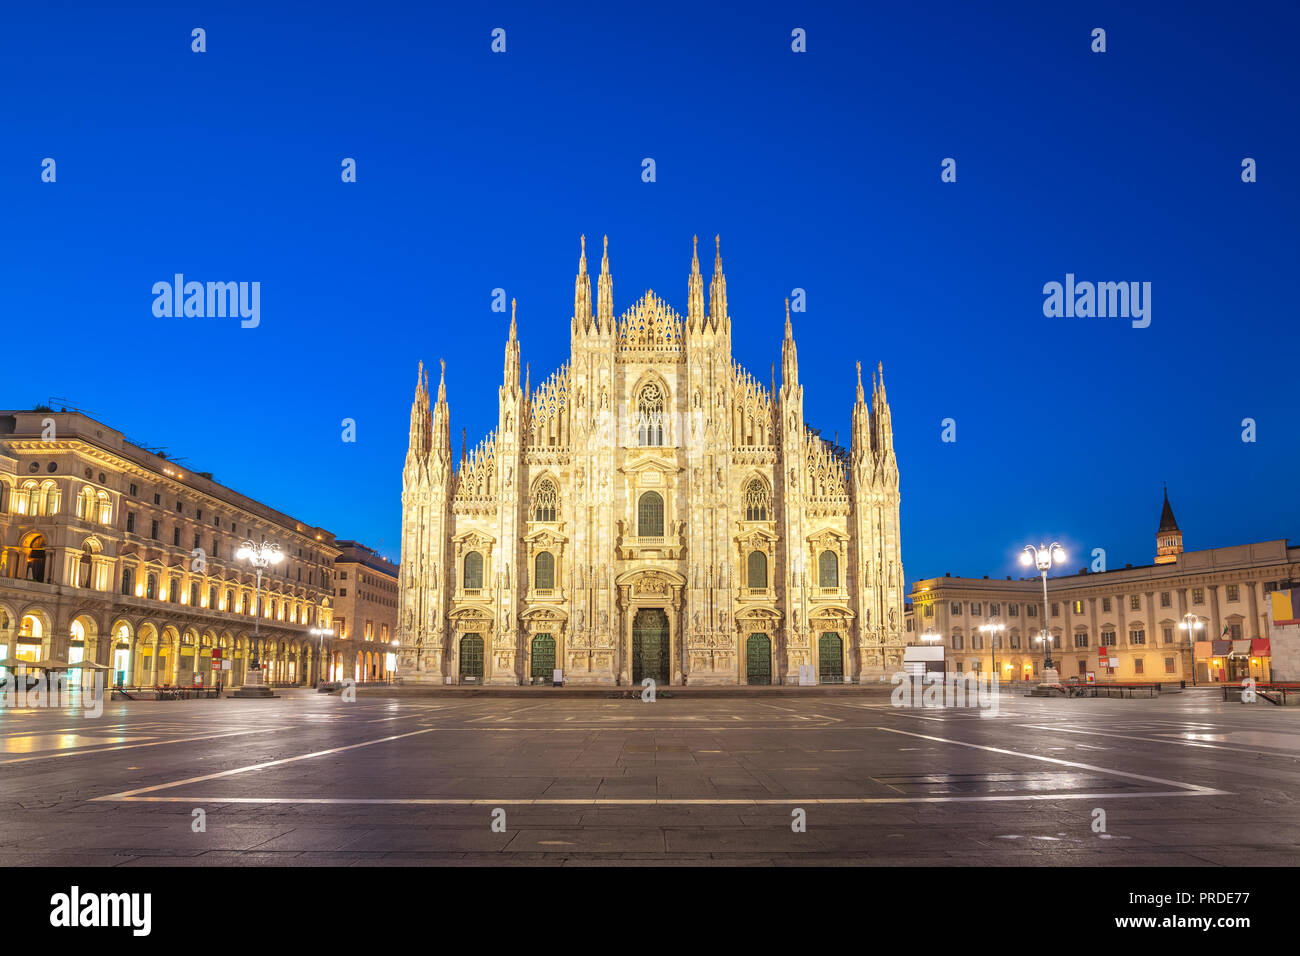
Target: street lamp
[(1191, 624), (260, 556), (1044, 556), (995, 632), (322, 633)]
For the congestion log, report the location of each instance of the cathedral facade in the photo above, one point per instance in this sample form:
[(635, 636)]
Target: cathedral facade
[(650, 511)]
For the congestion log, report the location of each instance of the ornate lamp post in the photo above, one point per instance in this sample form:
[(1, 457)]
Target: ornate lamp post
[(1191, 624), (994, 631), (1044, 556), (260, 556), (322, 633)]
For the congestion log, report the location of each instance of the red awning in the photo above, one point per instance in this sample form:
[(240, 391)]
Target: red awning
[(1259, 647)]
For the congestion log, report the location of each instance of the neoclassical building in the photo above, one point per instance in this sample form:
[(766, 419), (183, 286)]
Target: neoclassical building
[(650, 510), (114, 554), (1195, 616)]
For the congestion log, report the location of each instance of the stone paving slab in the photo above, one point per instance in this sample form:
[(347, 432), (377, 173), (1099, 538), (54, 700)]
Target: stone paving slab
[(691, 780)]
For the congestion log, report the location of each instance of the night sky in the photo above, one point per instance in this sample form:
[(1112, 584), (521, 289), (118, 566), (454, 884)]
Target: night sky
[(821, 171)]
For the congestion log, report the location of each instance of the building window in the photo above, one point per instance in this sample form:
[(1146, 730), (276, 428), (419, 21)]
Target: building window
[(194, 594), (153, 530), (650, 416), (130, 522), (1234, 632), (1015, 642), (473, 572), (650, 515), (755, 501), (133, 491), (927, 610), (1169, 665), (157, 499), (127, 582), (976, 641), (1164, 599), (545, 502), (994, 609), (174, 591), (828, 570), (957, 644), (956, 607), (1137, 637), (1108, 638), (975, 608), (544, 571), (1013, 610), (1168, 634), (1081, 639), (1056, 609), (1134, 602), (1198, 596), (1137, 665), (757, 570), (1078, 607), (1031, 610), (1234, 592), (151, 587), (1105, 605)]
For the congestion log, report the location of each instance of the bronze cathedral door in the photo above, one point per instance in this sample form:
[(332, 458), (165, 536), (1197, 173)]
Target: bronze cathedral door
[(650, 646)]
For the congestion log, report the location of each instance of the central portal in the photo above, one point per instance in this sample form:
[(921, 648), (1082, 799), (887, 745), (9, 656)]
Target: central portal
[(650, 645)]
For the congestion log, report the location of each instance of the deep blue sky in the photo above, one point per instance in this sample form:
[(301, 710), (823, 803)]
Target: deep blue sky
[(820, 170)]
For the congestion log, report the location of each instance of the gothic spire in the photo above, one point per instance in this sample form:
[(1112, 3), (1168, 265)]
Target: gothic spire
[(582, 292), (718, 290), (861, 398), (789, 355), (420, 437), (695, 290), (510, 374), (605, 293)]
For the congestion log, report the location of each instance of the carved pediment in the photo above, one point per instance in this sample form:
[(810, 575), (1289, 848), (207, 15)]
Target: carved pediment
[(474, 540)]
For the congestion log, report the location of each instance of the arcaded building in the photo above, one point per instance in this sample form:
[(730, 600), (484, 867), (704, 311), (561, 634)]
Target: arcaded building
[(114, 554), (650, 510)]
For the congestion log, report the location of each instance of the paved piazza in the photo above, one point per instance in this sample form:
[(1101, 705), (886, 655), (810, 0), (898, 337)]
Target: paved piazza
[(313, 780)]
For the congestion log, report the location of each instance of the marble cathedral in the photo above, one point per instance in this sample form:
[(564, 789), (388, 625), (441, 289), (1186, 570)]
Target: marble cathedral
[(650, 511)]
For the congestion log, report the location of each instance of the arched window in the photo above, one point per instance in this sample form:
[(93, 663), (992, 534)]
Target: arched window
[(128, 582), (545, 501), (828, 569), (103, 508), (544, 571), (151, 588), (212, 599), (230, 601), (473, 571), (755, 501), (757, 570), (86, 504), (650, 416), (650, 515)]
